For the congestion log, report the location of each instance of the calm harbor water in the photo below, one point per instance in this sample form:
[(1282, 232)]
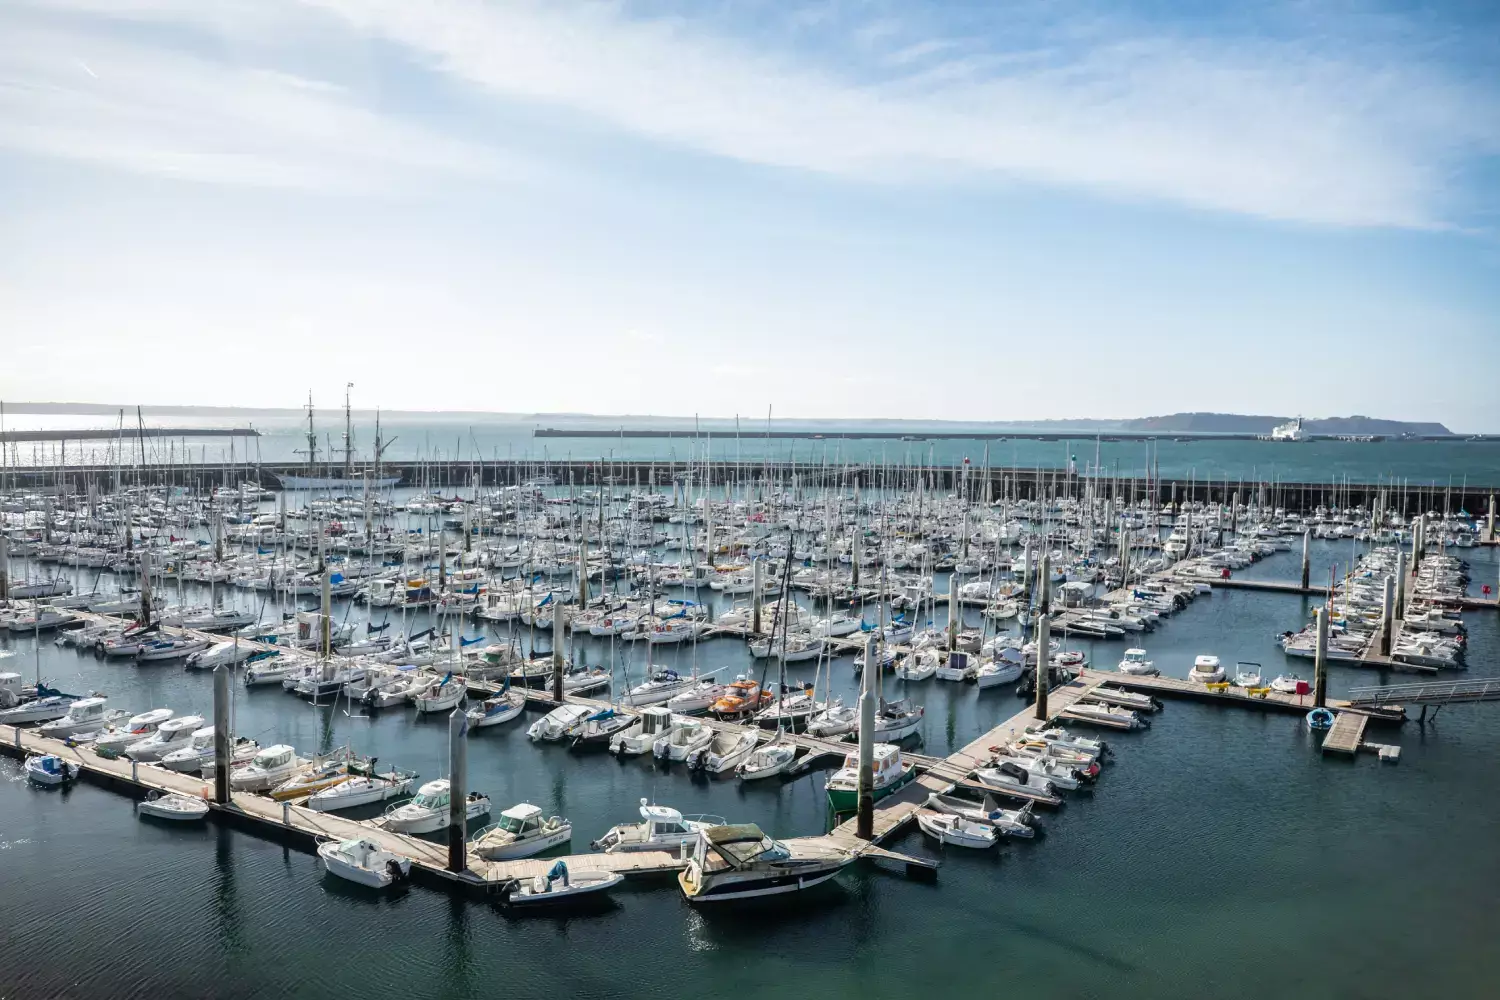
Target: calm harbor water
[(1220, 855), (1429, 464)]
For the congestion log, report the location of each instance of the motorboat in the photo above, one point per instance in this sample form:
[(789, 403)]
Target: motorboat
[(520, 832), (1289, 684), (1247, 675), (199, 748), (84, 717), (173, 734), (724, 752), (364, 862), (361, 790), (1136, 664), (661, 828), (743, 696), (267, 769), (555, 724), (1206, 670), (427, 812), (499, 709), (173, 806), (1006, 822), (324, 774), (957, 831), (890, 775), (1113, 716), (395, 689), (955, 667), (50, 769), (1056, 736), (440, 695), (597, 729), (111, 742), (558, 887), (639, 737), (682, 739), (1060, 773), (41, 709), (171, 648), (767, 761), (741, 862), (1010, 779)]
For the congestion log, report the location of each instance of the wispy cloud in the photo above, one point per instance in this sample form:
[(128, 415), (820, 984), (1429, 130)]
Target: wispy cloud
[(1305, 128)]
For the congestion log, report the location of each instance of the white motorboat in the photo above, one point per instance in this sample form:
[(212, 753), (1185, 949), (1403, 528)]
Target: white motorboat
[(173, 734), (441, 695), (501, 708), (520, 832), (741, 862), (724, 752), (84, 717), (1288, 684), (557, 887), (767, 761), (1061, 774), (395, 689), (1113, 716), (1206, 670), (427, 812), (172, 806), (200, 747), (364, 862), (682, 739), (50, 769), (1247, 675), (957, 831), (1006, 822), (661, 828), (1007, 778), (361, 790), (639, 738), (1136, 664), (266, 770), (43, 709), (555, 724), (112, 742)]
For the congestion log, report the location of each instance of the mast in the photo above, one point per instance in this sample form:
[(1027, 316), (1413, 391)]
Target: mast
[(348, 433), (312, 438)]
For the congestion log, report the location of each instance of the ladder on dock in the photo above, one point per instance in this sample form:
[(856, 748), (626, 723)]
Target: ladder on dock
[(1433, 693)]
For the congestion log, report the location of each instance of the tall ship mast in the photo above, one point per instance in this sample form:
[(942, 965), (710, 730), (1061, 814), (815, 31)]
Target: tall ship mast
[(349, 481)]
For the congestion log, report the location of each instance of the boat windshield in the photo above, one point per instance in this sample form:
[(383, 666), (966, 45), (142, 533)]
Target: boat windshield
[(438, 801), (513, 824)]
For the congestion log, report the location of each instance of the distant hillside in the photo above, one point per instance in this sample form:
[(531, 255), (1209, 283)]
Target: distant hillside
[(1238, 423)]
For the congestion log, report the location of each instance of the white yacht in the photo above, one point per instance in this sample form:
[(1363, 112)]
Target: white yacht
[(84, 717), (521, 831), (267, 769), (364, 862), (740, 862), (427, 812), (173, 734), (1136, 664), (661, 828), (112, 742), (1206, 670)]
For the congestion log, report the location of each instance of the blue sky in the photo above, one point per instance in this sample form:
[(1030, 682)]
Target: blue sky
[(945, 210)]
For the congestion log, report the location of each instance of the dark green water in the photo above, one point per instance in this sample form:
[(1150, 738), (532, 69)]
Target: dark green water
[(1220, 856)]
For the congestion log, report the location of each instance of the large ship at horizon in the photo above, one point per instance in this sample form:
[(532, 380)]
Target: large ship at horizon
[(1289, 431), (349, 481)]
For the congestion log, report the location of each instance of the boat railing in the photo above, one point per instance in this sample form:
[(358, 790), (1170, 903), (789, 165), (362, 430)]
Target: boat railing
[(706, 818)]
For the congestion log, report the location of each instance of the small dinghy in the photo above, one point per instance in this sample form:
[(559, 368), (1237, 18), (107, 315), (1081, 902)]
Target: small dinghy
[(364, 862), (958, 831), (172, 806), (1005, 822), (558, 886), (50, 769), (1320, 720)]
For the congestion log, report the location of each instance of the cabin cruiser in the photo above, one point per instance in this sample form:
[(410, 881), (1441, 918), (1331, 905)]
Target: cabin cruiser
[(199, 748), (556, 724), (740, 862), (682, 739), (661, 828), (1206, 670), (267, 769), (891, 774), (364, 862), (84, 717), (427, 812), (638, 738), (41, 709), (395, 689), (724, 752), (1136, 664), (112, 742), (173, 734), (520, 832)]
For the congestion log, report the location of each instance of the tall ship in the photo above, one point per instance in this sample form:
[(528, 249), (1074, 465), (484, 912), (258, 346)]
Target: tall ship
[(1289, 431), (349, 482)]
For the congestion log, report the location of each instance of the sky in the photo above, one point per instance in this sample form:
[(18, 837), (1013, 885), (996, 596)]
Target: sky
[(847, 208)]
